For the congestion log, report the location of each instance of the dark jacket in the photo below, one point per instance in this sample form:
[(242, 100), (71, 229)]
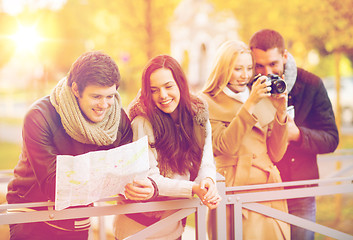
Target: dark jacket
[(44, 137), (316, 121)]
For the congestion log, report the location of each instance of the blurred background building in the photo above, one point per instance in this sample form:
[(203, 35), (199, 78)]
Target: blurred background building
[(196, 32)]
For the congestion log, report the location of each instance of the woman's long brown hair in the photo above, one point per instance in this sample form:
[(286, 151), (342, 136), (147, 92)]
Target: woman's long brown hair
[(176, 144)]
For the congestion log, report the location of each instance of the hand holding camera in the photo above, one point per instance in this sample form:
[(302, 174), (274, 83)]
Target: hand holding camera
[(259, 90), (274, 87), (278, 85)]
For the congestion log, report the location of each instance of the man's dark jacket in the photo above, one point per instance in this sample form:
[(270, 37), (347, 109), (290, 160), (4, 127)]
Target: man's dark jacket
[(316, 121), (44, 137)]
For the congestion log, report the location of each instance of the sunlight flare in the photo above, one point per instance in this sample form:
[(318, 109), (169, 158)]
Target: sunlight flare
[(26, 39)]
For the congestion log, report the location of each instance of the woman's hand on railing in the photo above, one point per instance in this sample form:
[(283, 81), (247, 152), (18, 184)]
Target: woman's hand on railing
[(139, 190), (207, 192)]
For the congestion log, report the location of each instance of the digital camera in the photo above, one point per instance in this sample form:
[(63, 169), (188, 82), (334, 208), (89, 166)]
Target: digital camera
[(278, 85)]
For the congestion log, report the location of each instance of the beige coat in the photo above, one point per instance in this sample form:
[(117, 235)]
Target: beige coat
[(245, 148)]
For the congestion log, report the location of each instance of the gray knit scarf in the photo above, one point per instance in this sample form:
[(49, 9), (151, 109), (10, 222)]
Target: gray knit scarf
[(290, 72), (77, 126)]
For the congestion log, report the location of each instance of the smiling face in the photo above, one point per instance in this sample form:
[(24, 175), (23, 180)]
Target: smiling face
[(242, 73), (165, 91), (95, 101)]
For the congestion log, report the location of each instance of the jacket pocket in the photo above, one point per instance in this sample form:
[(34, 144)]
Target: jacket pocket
[(235, 170)]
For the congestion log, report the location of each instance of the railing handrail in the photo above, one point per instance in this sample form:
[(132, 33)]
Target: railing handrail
[(244, 197), (184, 206), (92, 211), (289, 184), (240, 198), (251, 200)]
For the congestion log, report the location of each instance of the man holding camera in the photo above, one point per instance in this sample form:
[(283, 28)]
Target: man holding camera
[(311, 127)]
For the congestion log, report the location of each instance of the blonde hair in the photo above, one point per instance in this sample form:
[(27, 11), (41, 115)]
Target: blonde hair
[(223, 66)]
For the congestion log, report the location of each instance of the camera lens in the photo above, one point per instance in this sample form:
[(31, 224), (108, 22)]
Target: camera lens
[(278, 86)]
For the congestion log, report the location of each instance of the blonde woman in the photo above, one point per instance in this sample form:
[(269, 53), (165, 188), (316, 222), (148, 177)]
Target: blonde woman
[(249, 133)]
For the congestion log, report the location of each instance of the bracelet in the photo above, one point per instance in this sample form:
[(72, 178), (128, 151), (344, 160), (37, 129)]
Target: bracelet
[(156, 191), (282, 112)]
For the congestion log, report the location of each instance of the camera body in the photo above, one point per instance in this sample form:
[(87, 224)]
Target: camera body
[(278, 85)]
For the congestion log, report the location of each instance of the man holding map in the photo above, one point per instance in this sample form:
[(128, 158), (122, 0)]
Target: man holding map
[(82, 114)]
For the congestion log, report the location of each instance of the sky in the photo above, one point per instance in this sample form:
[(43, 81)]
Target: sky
[(14, 7)]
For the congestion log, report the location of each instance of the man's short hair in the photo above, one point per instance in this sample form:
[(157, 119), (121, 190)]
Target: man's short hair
[(94, 68), (266, 39)]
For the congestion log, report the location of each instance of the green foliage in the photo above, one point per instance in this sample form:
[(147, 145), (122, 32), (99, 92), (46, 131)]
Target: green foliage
[(134, 31), (130, 31), (346, 142), (326, 68), (323, 25), (335, 211), (9, 154), (327, 24)]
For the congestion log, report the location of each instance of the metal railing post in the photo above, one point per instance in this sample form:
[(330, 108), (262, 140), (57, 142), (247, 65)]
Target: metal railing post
[(221, 220), (200, 222), (238, 218), (101, 228)]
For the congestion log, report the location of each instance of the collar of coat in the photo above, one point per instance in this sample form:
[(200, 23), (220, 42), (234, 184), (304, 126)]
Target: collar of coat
[(224, 108), (290, 72)]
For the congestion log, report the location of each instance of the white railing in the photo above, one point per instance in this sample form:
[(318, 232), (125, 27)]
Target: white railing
[(240, 200), (251, 201), (186, 206)]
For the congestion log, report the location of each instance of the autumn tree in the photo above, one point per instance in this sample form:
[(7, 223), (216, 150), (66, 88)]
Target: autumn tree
[(131, 32), (322, 25)]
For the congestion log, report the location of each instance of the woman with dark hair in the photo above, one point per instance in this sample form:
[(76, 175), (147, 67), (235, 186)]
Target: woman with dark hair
[(180, 145)]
